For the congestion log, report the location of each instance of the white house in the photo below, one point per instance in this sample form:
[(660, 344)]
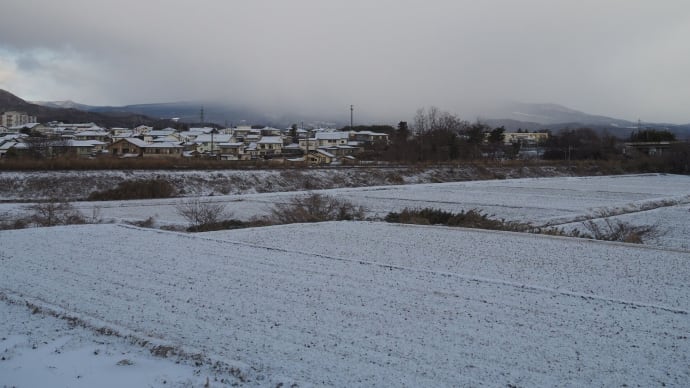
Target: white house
[(209, 142), (270, 145)]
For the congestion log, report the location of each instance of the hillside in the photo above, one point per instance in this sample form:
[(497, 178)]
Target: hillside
[(9, 101)]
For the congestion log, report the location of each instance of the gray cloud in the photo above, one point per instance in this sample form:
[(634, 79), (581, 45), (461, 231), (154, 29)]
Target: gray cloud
[(627, 59)]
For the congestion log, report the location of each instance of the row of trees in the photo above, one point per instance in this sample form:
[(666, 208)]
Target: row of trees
[(439, 136)]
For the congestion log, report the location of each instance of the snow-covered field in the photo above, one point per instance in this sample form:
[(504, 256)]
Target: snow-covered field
[(357, 303), (644, 199), (362, 304)]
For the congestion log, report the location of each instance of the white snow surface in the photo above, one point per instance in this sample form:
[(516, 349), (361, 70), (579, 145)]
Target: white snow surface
[(37, 350), (641, 199), (359, 304)]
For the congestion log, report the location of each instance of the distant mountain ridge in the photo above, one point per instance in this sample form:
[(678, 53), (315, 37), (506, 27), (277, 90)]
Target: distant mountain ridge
[(511, 115), (66, 104), (554, 117)]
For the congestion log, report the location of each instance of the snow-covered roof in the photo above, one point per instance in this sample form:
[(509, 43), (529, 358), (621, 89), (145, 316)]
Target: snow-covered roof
[(122, 135), (169, 138), (324, 152), (216, 138), (201, 129), (12, 136), (370, 133), (293, 146), (22, 126), (161, 132), (136, 141), (271, 140), (91, 133), (162, 145), (7, 145), (231, 145), (84, 143), (331, 136)]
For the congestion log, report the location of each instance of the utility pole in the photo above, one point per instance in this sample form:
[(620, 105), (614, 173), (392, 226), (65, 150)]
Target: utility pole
[(352, 110), (306, 138), (201, 116)]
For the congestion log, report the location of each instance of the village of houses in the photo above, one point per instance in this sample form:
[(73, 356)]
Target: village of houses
[(242, 143)]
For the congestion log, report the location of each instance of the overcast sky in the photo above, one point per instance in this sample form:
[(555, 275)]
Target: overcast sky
[(628, 59)]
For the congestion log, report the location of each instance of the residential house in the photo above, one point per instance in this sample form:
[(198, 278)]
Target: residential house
[(320, 156), (127, 147), (118, 131), (142, 129), (369, 138), (209, 143), (15, 146), (270, 146), (324, 139), (93, 134), (252, 151), (162, 150), (80, 148), (161, 133), (292, 151), (269, 131), (233, 151)]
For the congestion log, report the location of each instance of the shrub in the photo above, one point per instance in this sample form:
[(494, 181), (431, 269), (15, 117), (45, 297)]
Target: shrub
[(7, 221), (220, 225), (147, 223), (472, 218), (143, 189), (609, 230), (54, 212), (316, 208)]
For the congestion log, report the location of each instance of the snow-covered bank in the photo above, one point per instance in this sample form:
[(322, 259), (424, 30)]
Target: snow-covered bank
[(77, 185)]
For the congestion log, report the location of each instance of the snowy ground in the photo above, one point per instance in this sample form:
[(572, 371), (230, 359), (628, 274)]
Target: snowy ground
[(357, 303), (352, 304), (644, 199), (38, 350)]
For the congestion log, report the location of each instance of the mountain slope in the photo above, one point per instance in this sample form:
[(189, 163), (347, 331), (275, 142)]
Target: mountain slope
[(9, 101)]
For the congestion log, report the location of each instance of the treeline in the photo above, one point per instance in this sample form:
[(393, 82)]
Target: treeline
[(438, 136)]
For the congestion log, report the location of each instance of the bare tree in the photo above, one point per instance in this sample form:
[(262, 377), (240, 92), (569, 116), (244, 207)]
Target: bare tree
[(199, 213)]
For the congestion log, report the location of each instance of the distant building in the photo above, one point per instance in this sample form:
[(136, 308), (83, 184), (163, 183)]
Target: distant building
[(14, 119), (525, 138)]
